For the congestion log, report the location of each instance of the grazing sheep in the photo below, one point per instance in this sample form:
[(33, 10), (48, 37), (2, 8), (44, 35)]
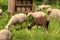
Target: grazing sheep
[(5, 35), (41, 7), (49, 11), (42, 20), (1, 11), (47, 6), (36, 14), (53, 13), (18, 18)]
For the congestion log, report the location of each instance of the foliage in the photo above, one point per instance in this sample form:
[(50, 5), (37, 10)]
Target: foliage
[(54, 29), (4, 4)]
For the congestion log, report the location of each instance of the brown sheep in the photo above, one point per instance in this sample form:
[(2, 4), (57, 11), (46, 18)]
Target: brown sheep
[(39, 21)]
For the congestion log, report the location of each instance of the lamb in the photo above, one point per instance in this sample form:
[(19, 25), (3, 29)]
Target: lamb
[(5, 34), (42, 21), (18, 18), (53, 13), (36, 14), (1, 11)]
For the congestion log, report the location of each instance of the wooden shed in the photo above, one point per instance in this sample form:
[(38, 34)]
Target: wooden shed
[(20, 6)]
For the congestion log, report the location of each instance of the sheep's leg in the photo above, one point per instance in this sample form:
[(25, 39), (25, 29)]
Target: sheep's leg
[(10, 37), (26, 21), (47, 24), (37, 26), (21, 25), (45, 28), (14, 27)]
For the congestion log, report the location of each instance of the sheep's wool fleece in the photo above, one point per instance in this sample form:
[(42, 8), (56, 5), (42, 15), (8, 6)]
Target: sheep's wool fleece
[(38, 14), (4, 34), (55, 12), (18, 17)]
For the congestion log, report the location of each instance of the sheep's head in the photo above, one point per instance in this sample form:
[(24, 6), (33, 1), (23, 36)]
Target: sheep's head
[(29, 27), (49, 11), (29, 14)]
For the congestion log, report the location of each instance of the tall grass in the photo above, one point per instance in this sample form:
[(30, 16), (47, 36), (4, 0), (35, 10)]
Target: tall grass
[(34, 33), (54, 29)]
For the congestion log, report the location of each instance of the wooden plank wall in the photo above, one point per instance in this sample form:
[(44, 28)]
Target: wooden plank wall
[(12, 6)]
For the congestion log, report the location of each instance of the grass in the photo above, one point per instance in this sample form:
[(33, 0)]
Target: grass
[(24, 34), (34, 33)]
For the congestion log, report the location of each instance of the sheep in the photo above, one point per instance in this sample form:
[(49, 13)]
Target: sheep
[(42, 20), (1, 11), (39, 18), (47, 6), (53, 13), (5, 34), (41, 7), (36, 14), (49, 11), (18, 18)]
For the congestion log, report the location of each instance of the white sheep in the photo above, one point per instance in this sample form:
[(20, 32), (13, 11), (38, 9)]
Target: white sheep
[(36, 14), (41, 7), (53, 13), (1, 11), (5, 35), (48, 11), (18, 18), (47, 6)]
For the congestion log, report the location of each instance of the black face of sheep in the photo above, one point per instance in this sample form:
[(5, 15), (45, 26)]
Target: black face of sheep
[(29, 27), (48, 12)]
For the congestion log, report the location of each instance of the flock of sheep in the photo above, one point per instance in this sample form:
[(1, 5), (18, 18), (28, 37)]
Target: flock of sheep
[(39, 19)]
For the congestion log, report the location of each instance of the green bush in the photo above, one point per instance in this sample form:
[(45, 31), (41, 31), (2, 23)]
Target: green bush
[(4, 4)]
